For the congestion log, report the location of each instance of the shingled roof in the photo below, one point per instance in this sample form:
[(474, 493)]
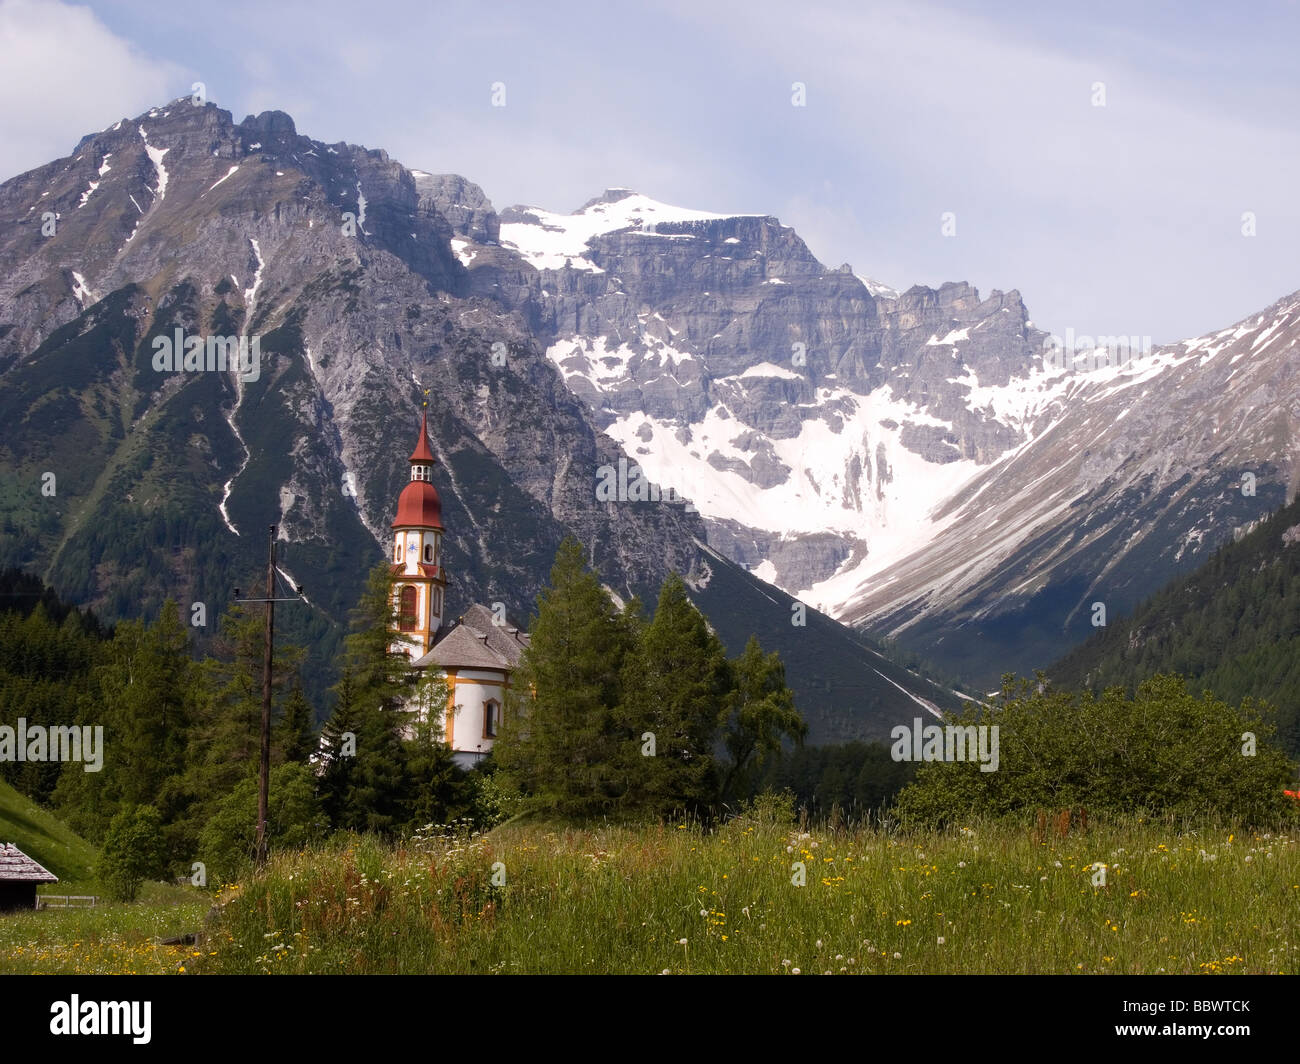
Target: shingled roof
[(475, 642), (17, 867)]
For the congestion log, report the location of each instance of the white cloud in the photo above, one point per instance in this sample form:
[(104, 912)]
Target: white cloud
[(65, 74)]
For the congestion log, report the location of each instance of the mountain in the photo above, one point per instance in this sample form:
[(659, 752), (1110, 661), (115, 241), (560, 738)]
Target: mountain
[(1232, 627), (928, 465), (328, 284)]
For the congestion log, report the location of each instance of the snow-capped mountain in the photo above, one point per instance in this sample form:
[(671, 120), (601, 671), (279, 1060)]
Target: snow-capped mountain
[(125, 482), (885, 456), (917, 462)]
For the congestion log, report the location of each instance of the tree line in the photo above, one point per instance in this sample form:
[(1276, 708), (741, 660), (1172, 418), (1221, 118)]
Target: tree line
[(616, 713)]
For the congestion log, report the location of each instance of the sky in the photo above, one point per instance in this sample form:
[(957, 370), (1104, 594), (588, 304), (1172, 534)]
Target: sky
[(1106, 160)]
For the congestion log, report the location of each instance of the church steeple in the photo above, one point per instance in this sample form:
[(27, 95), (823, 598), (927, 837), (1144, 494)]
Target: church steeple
[(417, 551)]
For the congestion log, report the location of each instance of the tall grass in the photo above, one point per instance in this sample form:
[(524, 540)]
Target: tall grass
[(985, 898), (114, 939)]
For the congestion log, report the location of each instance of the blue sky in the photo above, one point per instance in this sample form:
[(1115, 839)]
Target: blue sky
[(1124, 218)]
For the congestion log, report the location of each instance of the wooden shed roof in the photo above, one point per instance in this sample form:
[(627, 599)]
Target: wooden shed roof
[(17, 867)]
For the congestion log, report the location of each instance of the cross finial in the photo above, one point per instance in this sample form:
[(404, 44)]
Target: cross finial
[(425, 404)]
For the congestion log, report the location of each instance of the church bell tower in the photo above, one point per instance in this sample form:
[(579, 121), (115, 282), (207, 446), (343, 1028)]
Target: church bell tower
[(420, 581)]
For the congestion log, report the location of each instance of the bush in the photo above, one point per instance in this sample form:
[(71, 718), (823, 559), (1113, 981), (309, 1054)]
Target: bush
[(133, 852), (1162, 751)]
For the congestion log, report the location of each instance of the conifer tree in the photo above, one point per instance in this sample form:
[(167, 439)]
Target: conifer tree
[(558, 742), (368, 792), (759, 713), (144, 698), (296, 729), (675, 684)]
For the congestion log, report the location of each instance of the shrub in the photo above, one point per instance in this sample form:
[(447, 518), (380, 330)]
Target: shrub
[(1161, 751)]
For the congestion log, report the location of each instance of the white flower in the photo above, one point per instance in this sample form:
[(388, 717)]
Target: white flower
[(898, 956), (665, 972), (785, 964), (794, 971), (961, 864), (681, 942), (941, 940), (704, 912), (819, 943)]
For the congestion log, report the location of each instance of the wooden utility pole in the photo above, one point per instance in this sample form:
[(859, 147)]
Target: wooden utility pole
[(264, 779), (264, 775)]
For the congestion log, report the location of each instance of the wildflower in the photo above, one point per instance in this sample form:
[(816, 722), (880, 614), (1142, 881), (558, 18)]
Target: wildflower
[(898, 956), (961, 864), (681, 942), (819, 943), (794, 971), (941, 940), (785, 964)]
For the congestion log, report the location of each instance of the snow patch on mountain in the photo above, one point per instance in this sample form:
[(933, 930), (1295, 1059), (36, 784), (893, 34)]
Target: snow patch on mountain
[(229, 173), (548, 240), (156, 156)]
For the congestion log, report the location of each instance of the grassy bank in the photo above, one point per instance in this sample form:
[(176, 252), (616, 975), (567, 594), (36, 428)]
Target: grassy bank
[(984, 899)]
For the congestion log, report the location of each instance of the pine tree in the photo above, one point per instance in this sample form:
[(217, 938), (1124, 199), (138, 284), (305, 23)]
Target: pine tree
[(295, 734), (759, 714), (368, 792), (675, 685), (226, 737), (558, 742), (337, 749), (145, 696)]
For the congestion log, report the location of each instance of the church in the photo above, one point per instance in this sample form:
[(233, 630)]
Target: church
[(476, 653)]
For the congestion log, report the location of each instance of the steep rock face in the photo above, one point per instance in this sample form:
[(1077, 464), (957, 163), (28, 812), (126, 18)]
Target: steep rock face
[(1133, 473), (777, 394), (341, 273), (462, 203), (924, 463)]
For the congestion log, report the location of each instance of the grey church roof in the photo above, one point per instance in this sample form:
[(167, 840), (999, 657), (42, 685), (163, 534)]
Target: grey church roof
[(16, 866), (476, 642)]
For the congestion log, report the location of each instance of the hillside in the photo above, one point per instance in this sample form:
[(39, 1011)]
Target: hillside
[(44, 838), (128, 477), (844, 689), (1232, 626)]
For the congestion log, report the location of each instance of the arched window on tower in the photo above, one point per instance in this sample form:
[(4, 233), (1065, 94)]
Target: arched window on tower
[(428, 553), (491, 718), (406, 612), (397, 551)]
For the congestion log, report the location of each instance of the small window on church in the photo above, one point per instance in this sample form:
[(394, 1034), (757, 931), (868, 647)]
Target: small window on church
[(428, 552), (406, 613), (397, 551), (491, 718), (437, 600)]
